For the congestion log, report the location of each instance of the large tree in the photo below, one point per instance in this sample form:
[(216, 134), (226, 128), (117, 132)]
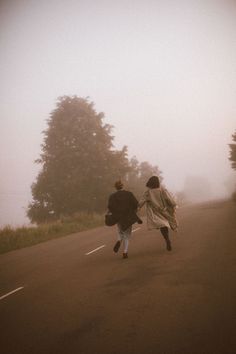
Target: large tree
[(233, 152), (79, 164)]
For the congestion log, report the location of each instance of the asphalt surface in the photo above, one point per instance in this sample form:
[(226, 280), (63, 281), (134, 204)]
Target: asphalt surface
[(178, 302)]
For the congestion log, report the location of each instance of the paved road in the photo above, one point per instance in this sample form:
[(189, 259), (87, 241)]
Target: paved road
[(179, 302)]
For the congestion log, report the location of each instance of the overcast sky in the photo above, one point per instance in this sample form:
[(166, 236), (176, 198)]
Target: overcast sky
[(163, 72)]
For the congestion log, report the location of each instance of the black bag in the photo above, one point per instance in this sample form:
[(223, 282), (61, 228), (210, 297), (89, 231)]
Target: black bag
[(110, 219)]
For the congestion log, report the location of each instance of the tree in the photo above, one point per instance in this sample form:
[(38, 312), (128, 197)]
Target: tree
[(79, 164), (147, 170), (233, 152), (139, 174)]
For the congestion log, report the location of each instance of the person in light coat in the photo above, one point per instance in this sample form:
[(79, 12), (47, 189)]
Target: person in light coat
[(160, 209)]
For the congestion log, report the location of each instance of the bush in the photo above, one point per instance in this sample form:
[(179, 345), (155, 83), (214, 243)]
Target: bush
[(234, 196), (15, 238)]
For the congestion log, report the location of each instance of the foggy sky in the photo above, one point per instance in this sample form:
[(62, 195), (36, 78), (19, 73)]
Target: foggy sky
[(163, 72)]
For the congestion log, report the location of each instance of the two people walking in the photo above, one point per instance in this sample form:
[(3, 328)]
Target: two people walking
[(160, 211)]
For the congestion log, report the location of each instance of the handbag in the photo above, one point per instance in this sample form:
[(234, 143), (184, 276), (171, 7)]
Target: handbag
[(110, 219)]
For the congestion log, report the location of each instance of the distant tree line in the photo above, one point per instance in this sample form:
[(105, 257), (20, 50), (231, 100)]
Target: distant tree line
[(232, 156), (79, 163)]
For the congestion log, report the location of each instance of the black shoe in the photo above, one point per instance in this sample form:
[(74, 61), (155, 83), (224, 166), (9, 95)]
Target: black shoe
[(117, 246), (125, 255), (168, 245)]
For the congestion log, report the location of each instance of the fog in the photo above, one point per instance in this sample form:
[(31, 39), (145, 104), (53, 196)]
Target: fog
[(163, 72)]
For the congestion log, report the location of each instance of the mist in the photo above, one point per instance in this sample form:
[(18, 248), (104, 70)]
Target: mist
[(163, 72)]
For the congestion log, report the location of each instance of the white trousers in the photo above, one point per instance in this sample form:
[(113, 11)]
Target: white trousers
[(124, 236)]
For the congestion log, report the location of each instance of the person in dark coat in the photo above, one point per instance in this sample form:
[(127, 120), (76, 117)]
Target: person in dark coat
[(123, 205)]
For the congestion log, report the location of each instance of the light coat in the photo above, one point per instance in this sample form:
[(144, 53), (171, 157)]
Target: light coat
[(160, 208)]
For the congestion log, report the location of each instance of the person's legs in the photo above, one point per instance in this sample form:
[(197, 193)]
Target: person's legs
[(119, 239), (127, 234), (126, 245), (165, 234)]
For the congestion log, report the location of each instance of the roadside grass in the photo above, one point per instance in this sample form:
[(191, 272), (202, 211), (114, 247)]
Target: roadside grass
[(16, 238)]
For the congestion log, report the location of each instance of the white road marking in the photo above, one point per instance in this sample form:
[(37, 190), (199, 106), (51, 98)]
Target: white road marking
[(11, 292), (136, 229), (96, 249)]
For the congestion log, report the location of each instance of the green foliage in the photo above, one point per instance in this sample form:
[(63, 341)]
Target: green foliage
[(79, 164), (12, 239), (233, 152)]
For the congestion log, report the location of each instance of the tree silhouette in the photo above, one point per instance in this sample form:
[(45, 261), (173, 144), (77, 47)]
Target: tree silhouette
[(79, 164), (139, 174), (233, 152)]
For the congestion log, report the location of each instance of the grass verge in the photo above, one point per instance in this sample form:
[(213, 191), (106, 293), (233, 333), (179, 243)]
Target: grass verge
[(16, 238)]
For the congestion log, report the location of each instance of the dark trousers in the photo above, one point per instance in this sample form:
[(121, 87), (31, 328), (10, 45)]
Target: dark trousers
[(165, 232)]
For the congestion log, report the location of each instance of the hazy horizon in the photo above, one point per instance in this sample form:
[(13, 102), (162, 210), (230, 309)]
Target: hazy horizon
[(163, 72)]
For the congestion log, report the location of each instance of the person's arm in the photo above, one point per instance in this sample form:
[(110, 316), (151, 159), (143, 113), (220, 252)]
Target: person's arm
[(110, 205), (169, 199), (143, 200), (133, 201)]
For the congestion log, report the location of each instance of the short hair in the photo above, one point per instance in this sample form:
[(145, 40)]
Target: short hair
[(118, 185), (153, 182)]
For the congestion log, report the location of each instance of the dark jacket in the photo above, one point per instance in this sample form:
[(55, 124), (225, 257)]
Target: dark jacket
[(123, 205)]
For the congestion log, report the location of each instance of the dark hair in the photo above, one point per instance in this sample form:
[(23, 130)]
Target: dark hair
[(153, 182), (118, 185)]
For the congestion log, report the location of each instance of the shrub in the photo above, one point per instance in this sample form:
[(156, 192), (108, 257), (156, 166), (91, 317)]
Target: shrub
[(15, 238)]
